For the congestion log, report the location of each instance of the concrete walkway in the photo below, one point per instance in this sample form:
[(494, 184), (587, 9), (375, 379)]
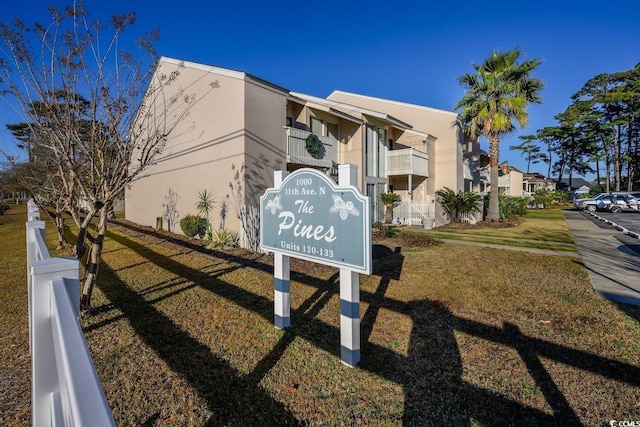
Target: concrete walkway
[(614, 268)]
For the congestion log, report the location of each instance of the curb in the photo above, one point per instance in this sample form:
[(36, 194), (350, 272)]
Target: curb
[(614, 225)]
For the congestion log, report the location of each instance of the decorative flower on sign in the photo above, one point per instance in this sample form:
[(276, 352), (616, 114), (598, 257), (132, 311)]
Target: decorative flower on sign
[(274, 205), (345, 209)]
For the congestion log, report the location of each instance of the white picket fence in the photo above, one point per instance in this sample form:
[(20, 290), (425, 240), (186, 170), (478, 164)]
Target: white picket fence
[(411, 213), (65, 389)]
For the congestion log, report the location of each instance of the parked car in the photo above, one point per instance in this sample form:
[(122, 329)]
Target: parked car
[(594, 203), (605, 201), (625, 202)]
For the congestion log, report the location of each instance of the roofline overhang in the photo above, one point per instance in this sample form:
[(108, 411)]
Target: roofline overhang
[(390, 120), (317, 104), (240, 75), (427, 136)]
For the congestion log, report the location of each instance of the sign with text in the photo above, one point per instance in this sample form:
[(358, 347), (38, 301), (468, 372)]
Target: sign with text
[(310, 217)]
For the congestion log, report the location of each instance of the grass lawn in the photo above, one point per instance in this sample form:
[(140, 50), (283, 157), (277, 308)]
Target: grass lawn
[(451, 335), (539, 229)]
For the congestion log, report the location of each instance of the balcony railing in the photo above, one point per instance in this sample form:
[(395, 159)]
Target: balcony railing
[(407, 161), (466, 169), (504, 181), (297, 151), (485, 175)]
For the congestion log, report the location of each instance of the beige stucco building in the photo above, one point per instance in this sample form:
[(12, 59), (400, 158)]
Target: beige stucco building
[(233, 139)]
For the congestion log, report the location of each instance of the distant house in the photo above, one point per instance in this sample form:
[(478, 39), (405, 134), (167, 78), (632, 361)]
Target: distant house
[(247, 128), (582, 190), (510, 179), (533, 181), (575, 184)]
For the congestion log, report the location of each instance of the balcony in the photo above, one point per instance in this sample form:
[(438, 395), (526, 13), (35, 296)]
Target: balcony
[(466, 169), (407, 161), (485, 175), (297, 151), (504, 181)]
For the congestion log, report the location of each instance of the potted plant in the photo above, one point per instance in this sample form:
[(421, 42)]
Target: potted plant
[(389, 199)]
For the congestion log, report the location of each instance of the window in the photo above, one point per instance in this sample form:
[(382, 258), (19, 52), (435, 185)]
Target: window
[(382, 153), (376, 152), (317, 127), (369, 152), (333, 131)]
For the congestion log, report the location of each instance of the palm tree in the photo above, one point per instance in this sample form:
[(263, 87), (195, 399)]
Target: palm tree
[(455, 204), (389, 199), (497, 94)]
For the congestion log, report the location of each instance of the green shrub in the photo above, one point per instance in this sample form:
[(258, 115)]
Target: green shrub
[(379, 229), (595, 190), (193, 225), (543, 197), (3, 208), (562, 196), (223, 238), (457, 204), (512, 206)]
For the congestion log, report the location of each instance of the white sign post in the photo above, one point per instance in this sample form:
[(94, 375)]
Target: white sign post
[(307, 216)]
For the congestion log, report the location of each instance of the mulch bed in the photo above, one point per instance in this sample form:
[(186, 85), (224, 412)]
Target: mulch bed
[(382, 246)]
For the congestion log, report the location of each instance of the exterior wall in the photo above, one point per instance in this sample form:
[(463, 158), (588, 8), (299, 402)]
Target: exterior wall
[(353, 151), (515, 185), (445, 154), (265, 140), (198, 154)]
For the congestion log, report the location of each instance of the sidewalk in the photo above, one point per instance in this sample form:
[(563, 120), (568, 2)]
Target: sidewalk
[(614, 269)]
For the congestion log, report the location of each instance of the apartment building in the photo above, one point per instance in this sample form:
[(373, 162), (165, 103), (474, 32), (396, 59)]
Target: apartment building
[(233, 140)]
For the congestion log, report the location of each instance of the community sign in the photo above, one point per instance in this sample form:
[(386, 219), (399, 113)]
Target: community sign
[(310, 217)]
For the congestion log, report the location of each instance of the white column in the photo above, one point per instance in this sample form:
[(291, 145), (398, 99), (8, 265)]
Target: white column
[(282, 291), (349, 291), (410, 188), (349, 317), (281, 275)]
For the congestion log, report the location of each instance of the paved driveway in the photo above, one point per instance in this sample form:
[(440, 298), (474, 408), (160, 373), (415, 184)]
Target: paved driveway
[(625, 226), (611, 257)]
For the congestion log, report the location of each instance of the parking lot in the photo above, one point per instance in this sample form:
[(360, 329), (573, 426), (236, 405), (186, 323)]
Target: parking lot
[(624, 226)]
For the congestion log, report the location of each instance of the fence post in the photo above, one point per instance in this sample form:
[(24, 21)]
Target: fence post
[(33, 227), (349, 291), (44, 373), (33, 212), (281, 273)]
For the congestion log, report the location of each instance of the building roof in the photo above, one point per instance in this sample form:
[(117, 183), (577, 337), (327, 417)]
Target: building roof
[(339, 109), (364, 111), (575, 183), (404, 104), (240, 75), (536, 177)]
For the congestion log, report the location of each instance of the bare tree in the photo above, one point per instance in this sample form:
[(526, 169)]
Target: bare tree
[(77, 88)]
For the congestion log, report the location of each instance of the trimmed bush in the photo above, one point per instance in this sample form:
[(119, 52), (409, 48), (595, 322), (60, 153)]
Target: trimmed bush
[(193, 225)]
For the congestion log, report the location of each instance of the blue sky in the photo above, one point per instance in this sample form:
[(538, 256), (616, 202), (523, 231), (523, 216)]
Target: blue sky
[(407, 51)]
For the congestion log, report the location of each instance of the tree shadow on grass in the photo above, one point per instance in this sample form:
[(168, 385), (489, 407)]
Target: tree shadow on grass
[(430, 374), (233, 398)]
